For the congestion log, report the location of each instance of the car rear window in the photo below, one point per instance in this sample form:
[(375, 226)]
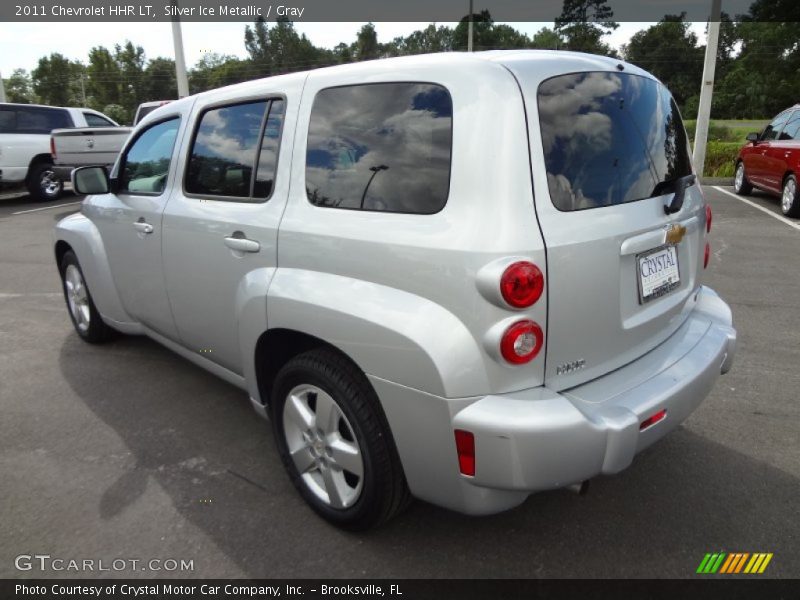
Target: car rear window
[(609, 138), (33, 119), (380, 147)]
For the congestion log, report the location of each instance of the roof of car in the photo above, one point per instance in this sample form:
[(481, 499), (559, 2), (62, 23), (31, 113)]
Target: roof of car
[(449, 60), (47, 106)]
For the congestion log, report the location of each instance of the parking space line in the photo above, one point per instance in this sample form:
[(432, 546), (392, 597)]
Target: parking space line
[(22, 212), (759, 207)]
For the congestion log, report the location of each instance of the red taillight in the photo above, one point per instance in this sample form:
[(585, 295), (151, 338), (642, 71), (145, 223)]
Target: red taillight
[(707, 255), (653, 420), (521, 342), (521, 284), (53, 147), (708, 219), (465, 446)]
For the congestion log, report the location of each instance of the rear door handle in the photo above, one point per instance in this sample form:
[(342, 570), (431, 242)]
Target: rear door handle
[(143, 227), (242, 244)]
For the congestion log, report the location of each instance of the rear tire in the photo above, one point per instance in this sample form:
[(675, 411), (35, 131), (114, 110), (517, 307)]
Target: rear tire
[(790, 197), (328, 423), (740, 183), (87, 321), (43, 185)]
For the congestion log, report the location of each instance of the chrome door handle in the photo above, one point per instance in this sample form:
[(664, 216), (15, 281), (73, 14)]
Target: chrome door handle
[(242, 244), (143, 227)]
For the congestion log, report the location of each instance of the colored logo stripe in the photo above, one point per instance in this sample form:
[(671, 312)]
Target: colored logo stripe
[(734, 562)]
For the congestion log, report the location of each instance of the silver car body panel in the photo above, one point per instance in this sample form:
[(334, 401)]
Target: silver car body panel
[(409, 297)]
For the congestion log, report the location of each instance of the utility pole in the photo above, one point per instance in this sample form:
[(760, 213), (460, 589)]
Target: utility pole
[(706, 89), (180, 61), (83, 90), (469, 29), (2, 89)]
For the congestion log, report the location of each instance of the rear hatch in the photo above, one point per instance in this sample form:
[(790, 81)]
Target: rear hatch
[(608, 150)]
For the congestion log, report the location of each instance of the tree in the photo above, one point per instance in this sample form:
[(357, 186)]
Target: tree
[(19, 87), (583, 23), (281, 50), (482, 26), (57, 80), (367, 47), (160, 80), (131, 62), (104, 78), (763, 79), (217, 70), (422, 41), (669, 51), (547, 39)]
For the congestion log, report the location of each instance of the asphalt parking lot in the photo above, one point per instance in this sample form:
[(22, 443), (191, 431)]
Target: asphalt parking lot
[(128, 451)]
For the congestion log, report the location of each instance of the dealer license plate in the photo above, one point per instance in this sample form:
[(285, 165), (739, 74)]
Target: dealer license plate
[(658, 273)]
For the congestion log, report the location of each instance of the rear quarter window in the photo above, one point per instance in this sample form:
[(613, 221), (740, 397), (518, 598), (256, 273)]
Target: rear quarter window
[(380, 147), (609, 138)]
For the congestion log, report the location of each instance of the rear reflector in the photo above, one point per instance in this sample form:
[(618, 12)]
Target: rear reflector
[(707, 255), (650, 421), (465, 446)]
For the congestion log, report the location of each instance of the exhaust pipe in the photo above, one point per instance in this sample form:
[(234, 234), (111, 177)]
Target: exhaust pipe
[(581, 488)]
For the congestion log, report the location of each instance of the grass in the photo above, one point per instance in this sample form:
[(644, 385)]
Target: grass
[(725, 138)]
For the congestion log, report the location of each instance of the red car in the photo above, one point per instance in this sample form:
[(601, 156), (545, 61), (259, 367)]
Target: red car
[(770, 161)]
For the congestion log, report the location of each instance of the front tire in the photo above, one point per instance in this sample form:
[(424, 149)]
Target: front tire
[(334, 441), (87, 321), (790, 197), (43, 185), (740, 183)]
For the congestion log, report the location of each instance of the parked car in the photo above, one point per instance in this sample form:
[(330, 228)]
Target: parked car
[(459, 277), (145, 108), (84, 146), (25, 152), (770, 161)]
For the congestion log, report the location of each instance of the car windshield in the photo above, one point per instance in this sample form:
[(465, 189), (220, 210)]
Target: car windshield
[(609, 138)]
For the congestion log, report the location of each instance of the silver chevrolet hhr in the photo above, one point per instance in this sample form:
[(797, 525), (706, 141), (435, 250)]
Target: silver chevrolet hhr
[(459, 277)]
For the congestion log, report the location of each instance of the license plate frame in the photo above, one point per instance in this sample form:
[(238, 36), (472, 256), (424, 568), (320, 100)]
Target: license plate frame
[(664, 288)]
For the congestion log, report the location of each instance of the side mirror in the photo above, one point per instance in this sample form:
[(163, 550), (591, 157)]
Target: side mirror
[(752, 137), (90, 180)]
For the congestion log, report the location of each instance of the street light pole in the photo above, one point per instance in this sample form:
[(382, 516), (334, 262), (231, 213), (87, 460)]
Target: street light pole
[(180, 61), (375, 171), (469, 29), (2, 89), (707, 88)]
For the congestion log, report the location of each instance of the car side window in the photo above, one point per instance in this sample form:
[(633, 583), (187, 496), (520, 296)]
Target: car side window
[(773, 129), (8, 120), (93, 120), (234, 152), (380, 147), (791, 130), (146, 163), (41, 120), (268, 154)]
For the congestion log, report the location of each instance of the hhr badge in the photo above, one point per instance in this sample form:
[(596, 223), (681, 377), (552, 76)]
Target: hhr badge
[(675, 233), (570, 367)]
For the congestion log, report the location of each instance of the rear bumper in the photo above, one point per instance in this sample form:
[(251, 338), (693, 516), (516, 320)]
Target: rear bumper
[(539, 439)]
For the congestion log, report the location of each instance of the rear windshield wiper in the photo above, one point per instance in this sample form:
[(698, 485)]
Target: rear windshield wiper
[(677, 187)]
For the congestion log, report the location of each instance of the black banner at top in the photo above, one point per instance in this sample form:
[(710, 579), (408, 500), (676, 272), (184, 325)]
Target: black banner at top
[(344, 10)]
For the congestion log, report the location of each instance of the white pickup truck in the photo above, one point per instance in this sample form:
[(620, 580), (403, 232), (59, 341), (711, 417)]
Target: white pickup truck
[(96, 145), (25, 144)]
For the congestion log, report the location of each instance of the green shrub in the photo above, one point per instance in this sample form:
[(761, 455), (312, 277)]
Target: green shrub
[(720, 157)]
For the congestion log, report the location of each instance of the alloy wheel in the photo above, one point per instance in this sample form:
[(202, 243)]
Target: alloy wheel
[(77, 297), (323, 446)]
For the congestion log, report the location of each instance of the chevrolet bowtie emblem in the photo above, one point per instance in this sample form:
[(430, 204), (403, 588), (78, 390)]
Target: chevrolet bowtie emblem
[(675, 234)]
